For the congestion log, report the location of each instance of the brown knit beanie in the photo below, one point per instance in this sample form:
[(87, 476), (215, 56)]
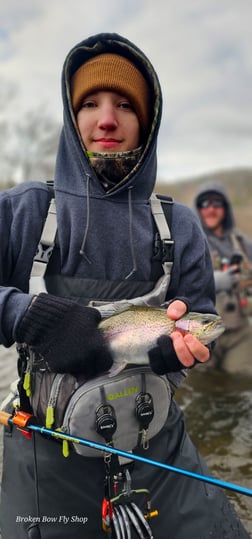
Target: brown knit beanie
[(116, 73)]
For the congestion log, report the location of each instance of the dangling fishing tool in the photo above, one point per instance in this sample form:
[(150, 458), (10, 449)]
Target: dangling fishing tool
[(8, 420), (120, 513)]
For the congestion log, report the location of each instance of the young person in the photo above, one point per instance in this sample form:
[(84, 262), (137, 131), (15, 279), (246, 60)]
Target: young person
[(106, 251), (231, 252)]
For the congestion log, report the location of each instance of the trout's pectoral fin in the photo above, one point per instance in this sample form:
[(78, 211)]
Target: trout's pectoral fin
[(117, 367)]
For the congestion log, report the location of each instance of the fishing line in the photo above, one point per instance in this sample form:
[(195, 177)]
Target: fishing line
[(132, 456), (23, 420)]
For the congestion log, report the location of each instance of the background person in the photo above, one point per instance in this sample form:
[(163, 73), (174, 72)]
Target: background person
[(231, 252), (105, 174)]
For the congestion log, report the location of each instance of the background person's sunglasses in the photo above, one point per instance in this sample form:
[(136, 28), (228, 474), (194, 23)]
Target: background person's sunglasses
[(207, 202)]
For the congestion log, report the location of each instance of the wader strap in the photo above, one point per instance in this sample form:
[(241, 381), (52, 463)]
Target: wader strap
[(162, 218), (33, 531), (44, 251)]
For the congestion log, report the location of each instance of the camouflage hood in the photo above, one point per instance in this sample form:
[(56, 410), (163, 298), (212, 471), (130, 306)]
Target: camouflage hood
[(71, 150)]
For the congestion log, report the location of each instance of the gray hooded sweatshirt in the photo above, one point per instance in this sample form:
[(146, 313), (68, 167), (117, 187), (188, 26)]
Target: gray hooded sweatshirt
[(114, 229)]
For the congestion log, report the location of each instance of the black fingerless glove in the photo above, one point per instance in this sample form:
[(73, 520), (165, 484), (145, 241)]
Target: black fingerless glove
[(66, 335), (163, 358)]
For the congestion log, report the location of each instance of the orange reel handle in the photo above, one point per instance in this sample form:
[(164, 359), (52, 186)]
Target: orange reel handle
[(20, 418), (5, 418)]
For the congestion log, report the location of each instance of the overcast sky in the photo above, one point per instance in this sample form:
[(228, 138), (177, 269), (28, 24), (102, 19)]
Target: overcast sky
[(201, 50)]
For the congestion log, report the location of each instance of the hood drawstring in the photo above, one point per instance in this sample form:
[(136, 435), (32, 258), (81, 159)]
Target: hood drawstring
[(82, 249), (133, 255), (132, 249)]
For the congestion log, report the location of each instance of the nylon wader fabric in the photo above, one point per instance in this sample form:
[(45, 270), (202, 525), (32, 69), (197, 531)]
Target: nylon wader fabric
[(233, 346), (73, 488)]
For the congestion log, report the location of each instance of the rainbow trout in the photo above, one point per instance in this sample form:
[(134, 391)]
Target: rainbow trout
[(133, 332)]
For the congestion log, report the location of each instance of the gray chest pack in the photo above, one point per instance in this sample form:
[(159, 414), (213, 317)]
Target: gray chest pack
[(125, 410)]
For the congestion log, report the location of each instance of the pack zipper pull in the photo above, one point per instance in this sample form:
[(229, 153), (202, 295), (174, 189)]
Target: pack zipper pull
[(144, 439), (144, 414)]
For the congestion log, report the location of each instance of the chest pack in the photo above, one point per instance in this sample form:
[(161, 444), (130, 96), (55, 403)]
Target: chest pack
[(125, 410)]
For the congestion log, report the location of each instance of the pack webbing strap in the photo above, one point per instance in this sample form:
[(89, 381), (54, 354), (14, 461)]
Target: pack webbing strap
[(48, 236), (44, 251), (164, 231)]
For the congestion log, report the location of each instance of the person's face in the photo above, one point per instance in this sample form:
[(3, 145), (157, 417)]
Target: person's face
[(212, 213), (107, 122)]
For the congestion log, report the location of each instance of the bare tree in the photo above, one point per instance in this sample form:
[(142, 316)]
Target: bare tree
[(35, 145), (28, 143), (7, 94)]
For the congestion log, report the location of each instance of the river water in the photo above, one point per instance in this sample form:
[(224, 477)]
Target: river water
[(218, 411)]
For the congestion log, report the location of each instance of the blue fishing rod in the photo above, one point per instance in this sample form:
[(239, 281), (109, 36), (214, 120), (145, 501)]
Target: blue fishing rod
[(24, 422)]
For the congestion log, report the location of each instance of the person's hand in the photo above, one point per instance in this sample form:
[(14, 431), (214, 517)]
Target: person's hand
[(177, 351), (187, 347), (66, 335), (225, 280)]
